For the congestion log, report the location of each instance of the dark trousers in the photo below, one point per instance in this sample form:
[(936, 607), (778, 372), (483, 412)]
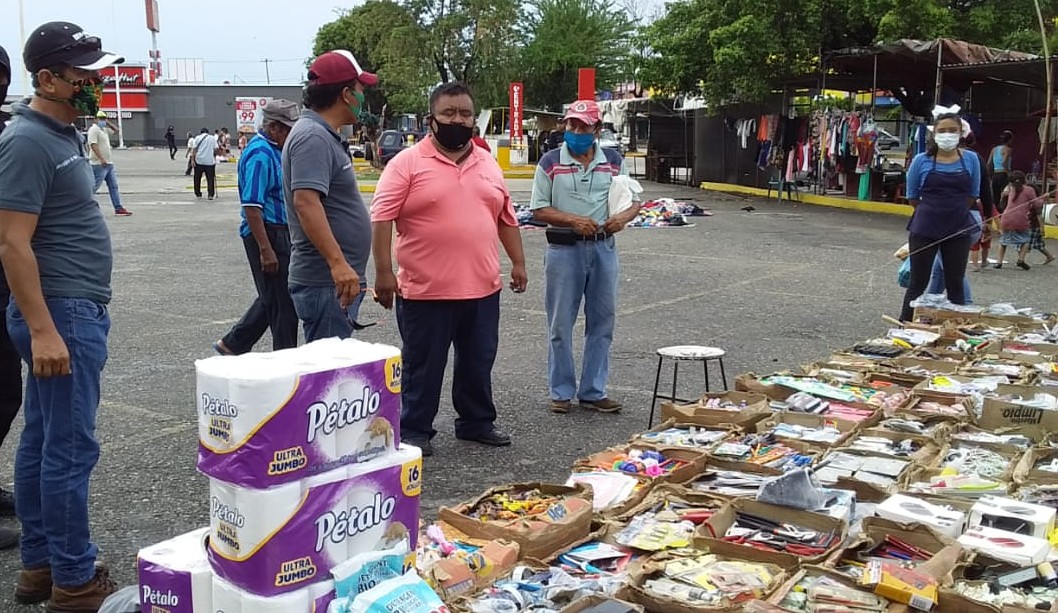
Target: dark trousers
[(272, 309), (999, 182), (211, 179), (172, 150), (428, 328), (10, 371), (953, 254), (190, 166)]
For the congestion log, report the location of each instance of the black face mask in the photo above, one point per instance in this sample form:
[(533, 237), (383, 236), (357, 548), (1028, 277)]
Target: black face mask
[(452, 136)]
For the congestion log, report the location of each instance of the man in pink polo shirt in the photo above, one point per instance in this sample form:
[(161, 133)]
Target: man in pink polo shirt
[(449, 203)]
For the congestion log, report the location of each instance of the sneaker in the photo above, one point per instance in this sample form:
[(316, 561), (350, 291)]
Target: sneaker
[(423, 444), (33, 585), (603, 405), (561, 406), (123, 212), (85, 598), (7, 503)]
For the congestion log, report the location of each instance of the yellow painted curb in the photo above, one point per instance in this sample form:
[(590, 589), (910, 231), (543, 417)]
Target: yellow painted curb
[(887, 208)]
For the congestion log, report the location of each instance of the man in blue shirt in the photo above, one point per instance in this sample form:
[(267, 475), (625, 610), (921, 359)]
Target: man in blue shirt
[(265, 236), (56, 252)]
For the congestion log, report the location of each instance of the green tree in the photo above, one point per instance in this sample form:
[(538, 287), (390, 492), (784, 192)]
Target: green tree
[(404, 77), (468, 40), (565, 35)]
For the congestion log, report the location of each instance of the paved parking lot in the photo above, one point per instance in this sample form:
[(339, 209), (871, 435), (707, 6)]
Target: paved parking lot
[(776, 287)]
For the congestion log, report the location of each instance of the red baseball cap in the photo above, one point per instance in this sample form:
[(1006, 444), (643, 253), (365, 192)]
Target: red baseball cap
[(339, 66), (584, 110)]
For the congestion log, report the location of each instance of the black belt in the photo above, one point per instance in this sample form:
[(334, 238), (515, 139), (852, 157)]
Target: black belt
[(567, 237)]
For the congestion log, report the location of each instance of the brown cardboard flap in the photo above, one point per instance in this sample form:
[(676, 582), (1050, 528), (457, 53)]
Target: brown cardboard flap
[(583, 604), (696, 413), (1026, 471), (998, 414), (675, 494), (538, 537), (924, 474), (919, 396), (940, 367), (926, 454), (750, 382), (643, 437)]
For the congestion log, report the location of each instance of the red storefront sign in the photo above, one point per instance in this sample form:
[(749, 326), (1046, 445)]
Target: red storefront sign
[(517, 95), (152, 16), (133, 84)]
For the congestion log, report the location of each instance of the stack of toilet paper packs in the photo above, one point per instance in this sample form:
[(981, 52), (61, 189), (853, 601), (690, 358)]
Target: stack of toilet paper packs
[(301, 448)]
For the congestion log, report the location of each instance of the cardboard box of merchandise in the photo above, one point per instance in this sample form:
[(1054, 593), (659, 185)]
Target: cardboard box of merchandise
[(537, 537), (1013, 515), (846, 428), (923, 474), (926, 453), (998, 413), (640, 571), (751, 382), (875, 529), (693, 461), (938, 367), (710, 535), (874, 490), (755, 409), (904, 585), (1027, 472), (454, 576), (1013, 347), (673, 494), (920, 395), (644, 438), (812, 571)]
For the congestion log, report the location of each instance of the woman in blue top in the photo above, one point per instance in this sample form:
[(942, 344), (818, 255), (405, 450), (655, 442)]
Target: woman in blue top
[(999, 166), (942, 185)]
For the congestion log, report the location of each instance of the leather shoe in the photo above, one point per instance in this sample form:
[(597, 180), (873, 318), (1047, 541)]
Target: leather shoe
[(33, 586), (423, 444), (7, 503), (493, 438), (8, 537)]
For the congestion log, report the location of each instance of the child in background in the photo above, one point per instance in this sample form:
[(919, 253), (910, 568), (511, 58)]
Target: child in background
[(1036, 235), (1021, 205)]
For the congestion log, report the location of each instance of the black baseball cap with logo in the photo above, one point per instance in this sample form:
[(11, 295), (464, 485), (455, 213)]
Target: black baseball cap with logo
[(62, 43)]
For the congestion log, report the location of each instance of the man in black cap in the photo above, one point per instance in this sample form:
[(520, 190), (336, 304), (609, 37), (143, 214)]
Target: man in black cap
[(10, 362), (55, 247)]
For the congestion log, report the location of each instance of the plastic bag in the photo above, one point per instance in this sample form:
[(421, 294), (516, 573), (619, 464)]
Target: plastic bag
[(125, 600), (624, 191), (405, 594), (903, 274)]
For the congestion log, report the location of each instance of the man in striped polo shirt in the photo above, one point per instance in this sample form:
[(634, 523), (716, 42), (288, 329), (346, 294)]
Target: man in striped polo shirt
[(265, 236)]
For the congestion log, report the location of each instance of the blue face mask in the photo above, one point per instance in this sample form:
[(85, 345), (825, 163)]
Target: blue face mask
[(579, 144), (102, 123)]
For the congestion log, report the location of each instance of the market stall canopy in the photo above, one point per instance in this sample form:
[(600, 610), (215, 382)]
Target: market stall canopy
[(1031, 72), (908, 68)]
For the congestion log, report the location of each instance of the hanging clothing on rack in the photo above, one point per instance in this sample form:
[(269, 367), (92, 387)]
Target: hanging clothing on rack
[(745, 129)]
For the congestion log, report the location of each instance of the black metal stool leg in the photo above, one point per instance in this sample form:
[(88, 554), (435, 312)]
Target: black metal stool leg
[(675, 374), (723, 375), (654, 401), (705, 363)]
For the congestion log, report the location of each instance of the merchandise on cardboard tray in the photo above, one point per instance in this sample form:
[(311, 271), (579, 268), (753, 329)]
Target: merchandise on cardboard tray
[(453, 563), (536, 589), (687, 581), (673, 434), (1016, 549), (909, 510), (764, 450), (814, 430), (815, 590), (1030, 598), (895, 444), (720, 409), (901, 584), (882, 472), (663, 464), (612, 492), (949, 482), (1013, 516), (1038, 466), (542, 518)]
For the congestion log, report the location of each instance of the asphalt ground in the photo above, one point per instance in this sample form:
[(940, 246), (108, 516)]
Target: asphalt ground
[(776, 287)]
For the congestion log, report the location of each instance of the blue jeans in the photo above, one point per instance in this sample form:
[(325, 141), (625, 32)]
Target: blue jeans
[(428, 328), (936, 281), (59, 449), (105, 172), (320, 313), (585, 270)]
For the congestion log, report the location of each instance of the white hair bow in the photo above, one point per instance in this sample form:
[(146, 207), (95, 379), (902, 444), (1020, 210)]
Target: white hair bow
[(945, 110)]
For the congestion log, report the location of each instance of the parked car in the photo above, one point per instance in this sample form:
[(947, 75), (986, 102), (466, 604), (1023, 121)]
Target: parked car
[(892, 150), (393, 142)]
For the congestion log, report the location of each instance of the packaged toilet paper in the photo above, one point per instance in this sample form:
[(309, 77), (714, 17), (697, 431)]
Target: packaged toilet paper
[(283, 538), (175, 576), (228, 598), (270, 418)]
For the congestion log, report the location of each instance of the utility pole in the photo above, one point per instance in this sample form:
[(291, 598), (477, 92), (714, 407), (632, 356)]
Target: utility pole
[(268, 76), (22, 42)]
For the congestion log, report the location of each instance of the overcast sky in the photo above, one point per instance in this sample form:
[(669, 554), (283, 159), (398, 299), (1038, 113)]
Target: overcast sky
[(231, 37)]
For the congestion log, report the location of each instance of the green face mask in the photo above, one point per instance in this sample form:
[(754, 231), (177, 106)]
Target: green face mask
[(86, 100), (358, 109)]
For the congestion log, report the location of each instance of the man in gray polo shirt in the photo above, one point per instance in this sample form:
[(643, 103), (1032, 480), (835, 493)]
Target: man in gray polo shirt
[(330, 228), (55, 248)]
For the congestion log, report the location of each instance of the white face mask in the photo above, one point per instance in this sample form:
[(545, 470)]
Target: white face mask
[(947, 141)]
